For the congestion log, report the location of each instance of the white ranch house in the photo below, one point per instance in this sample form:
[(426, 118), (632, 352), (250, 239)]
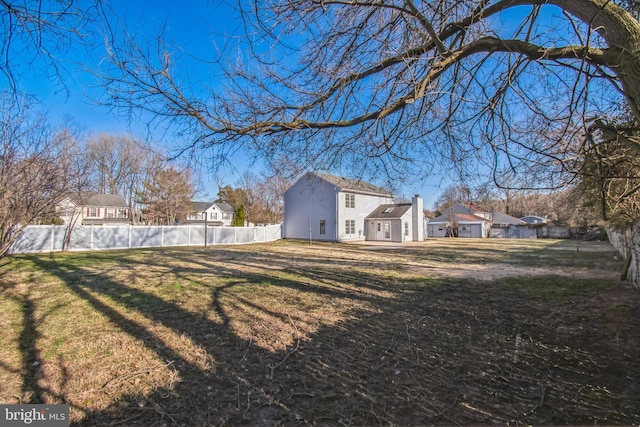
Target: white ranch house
[(331, 208)]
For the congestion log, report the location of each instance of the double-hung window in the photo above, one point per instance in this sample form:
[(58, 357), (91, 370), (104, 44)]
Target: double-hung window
[(350, 227), (350, 201)]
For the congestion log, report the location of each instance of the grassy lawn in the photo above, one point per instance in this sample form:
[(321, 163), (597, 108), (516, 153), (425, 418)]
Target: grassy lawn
[(449, 331)]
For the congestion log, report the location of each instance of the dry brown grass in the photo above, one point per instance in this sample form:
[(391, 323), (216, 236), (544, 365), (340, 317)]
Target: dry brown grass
[(444, 332)]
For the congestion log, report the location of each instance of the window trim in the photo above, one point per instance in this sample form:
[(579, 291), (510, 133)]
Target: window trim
[(349, 200), (350, 227)]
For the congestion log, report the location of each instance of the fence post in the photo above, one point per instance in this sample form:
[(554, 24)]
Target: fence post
[(53, 232), (130, 232)]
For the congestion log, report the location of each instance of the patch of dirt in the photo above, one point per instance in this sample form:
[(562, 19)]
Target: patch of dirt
[(488, 273)]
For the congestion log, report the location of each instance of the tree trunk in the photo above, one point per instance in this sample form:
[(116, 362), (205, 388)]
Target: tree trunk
[(621, 31)]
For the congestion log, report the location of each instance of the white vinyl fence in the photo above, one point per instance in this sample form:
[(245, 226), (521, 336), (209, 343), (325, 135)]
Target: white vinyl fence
[(51, 238)]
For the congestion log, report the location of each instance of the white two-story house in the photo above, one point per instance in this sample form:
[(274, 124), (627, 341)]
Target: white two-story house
[(331, 208), (94, 209), (215, 214)]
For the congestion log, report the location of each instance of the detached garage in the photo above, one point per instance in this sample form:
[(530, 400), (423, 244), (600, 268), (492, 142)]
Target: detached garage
[(460, 221), (471, 229)]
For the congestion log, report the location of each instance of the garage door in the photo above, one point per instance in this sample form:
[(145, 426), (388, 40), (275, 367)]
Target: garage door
[(476, 230)]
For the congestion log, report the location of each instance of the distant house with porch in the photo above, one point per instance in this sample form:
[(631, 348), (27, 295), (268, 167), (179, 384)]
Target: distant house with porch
[(332, 208), (94, 209)]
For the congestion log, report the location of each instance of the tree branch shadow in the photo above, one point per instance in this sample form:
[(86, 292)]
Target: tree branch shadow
[(436, 354)]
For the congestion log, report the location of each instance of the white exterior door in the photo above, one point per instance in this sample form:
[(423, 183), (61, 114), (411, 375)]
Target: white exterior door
[(383, 230)]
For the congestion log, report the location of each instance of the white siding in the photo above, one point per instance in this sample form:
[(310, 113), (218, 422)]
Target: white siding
[(313, 199), (397, 229), (308, 201), (364, 205)]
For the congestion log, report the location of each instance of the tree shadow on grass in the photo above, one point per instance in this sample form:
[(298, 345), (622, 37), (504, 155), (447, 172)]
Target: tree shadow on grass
[(31, 392), (452, 353)]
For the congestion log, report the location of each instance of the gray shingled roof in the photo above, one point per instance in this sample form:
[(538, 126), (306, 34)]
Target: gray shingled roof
[(465, 208), (389, 211), (200, 206), (449, 216), (353, 184), (224, 207), (99, 200), (502, 218)]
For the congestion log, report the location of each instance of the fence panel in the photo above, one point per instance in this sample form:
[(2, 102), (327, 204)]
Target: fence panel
[(146, 236), (39, 238), (553, 232), (224, 236), (50, 238), (175, 236), (81, 239), (245, 234), (273, 232), (196, 236), (110, 237)]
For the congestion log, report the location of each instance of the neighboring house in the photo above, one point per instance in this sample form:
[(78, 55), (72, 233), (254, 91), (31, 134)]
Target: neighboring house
[(461, 220), (466, 220), (331, 208), (532, 219), (506, 226), (216, 214), (94, 209)]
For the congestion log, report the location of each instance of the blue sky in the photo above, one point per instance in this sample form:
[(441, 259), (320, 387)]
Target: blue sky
[(200, 27), (194, 27)]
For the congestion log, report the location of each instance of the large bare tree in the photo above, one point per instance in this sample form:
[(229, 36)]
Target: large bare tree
[(395, 86), (119, 164), (37, 169)]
